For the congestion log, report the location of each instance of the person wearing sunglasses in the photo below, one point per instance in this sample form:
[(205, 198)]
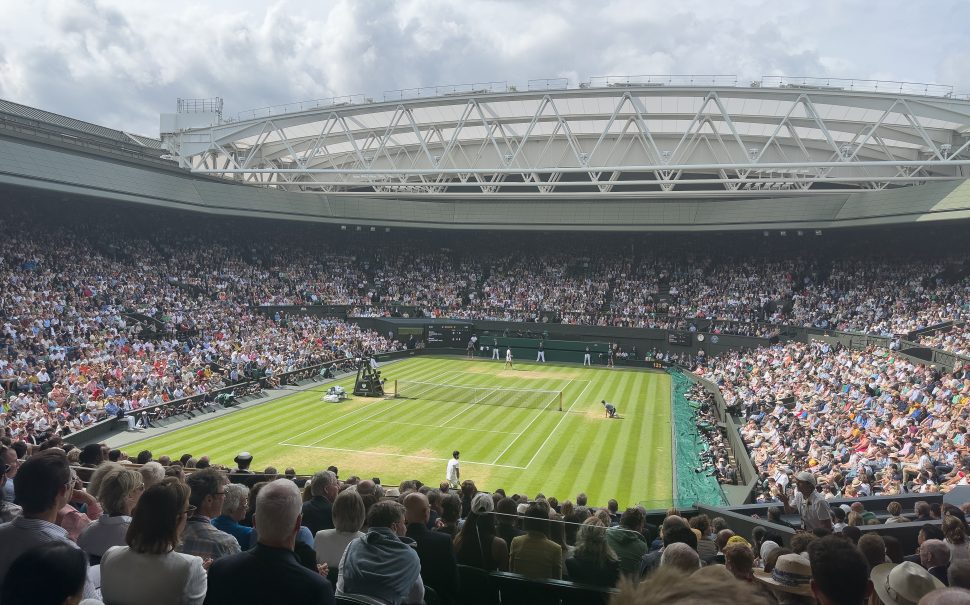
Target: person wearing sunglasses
[(148, 571)]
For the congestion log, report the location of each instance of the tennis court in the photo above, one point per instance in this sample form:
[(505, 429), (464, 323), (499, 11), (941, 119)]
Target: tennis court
[(517, 440)]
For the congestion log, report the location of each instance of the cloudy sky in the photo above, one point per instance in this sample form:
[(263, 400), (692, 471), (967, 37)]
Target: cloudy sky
[(122, 62)]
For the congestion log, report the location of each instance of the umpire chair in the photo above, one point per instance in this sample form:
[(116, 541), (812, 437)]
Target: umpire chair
[(369, 382)]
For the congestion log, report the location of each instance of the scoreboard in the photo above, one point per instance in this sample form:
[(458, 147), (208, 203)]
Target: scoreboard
[(680, 339), (454, 336)]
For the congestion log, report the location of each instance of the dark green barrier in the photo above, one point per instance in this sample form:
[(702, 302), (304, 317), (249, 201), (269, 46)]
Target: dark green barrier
[(527, 349), (691, 485)]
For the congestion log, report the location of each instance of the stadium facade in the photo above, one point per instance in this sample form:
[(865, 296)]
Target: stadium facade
[(644, 153)]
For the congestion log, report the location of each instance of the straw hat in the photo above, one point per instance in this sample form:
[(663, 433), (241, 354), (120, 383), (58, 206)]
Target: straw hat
[(792, 574), (902, 584)]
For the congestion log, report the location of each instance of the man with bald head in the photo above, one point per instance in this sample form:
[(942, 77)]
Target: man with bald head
[(680, 556), (946, 596), (242, 578), (439, 568), (934, 556), (674, 530)]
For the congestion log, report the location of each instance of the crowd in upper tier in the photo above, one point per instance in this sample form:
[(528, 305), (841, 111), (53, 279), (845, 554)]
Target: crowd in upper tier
[(158, 263)]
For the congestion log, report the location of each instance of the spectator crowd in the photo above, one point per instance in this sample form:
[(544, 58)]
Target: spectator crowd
[(155, 531), (103, 315)]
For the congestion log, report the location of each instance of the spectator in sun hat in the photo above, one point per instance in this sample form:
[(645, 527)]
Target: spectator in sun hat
[(789, 581), (808, 503), (903, 584)]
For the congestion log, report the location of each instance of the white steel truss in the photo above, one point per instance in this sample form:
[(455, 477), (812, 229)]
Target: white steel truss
[(683, 141)]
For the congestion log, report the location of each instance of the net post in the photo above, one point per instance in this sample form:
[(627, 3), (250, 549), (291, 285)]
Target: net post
[(560, 401), (395, 389)]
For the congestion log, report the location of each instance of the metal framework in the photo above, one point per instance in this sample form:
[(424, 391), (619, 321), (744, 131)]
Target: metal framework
[(628, 136)]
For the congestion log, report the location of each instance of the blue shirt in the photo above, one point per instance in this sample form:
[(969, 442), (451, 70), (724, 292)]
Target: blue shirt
[(232, 527)]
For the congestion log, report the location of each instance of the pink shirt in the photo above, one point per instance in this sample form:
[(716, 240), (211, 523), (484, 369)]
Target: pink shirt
[(75, 521)]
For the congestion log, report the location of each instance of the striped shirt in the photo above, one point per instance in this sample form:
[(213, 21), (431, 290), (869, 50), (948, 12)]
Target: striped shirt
[(22, 534)]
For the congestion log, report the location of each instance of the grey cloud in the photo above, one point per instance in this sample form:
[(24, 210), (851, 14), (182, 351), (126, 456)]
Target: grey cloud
[(121, 64)]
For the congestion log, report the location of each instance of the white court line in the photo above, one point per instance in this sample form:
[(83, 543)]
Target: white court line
[(553, 431), (354, 411), (468, 407), (362, 420), (339, 449), (541, 412), (438, 426)]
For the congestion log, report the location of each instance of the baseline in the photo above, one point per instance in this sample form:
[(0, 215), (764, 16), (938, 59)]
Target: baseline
[(340, 449)]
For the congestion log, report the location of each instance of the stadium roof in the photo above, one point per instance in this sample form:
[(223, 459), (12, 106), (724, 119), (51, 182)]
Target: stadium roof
[(638, 136), (10, 110)]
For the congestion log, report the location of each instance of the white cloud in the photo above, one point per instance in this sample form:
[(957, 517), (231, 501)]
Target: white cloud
[(121, 63)]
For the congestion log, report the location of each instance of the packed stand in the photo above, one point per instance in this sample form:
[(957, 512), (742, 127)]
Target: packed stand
[(865, 422), (164, 531), (955, 340), (97, 325)]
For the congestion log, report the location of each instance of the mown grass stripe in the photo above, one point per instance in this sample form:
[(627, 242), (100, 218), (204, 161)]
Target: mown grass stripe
[(628, 460)]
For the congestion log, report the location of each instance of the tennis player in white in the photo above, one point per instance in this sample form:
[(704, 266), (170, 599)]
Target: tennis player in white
[(453, 473)]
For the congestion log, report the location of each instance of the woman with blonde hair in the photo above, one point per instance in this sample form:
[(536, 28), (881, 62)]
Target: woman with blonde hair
[(348, 517), (593, 561), (955, 536), (118, 491)]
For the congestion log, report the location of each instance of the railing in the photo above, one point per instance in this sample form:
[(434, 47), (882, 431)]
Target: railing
[(275, 110), (199, 105), (661, 80), (548, 84), (857, 85), (447, 90)]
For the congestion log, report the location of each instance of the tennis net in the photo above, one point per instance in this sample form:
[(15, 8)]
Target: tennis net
[(535, 399)]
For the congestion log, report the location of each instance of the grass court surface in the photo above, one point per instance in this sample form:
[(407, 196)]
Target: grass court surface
[(521, 450)]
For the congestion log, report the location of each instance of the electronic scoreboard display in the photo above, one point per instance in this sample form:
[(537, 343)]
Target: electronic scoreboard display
[(680, 339), (455, 336)]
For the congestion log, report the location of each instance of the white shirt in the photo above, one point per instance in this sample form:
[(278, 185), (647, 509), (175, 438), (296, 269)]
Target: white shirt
[(452, 474), (104, 533), (813, 511), (330, 545), (508, 355)]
